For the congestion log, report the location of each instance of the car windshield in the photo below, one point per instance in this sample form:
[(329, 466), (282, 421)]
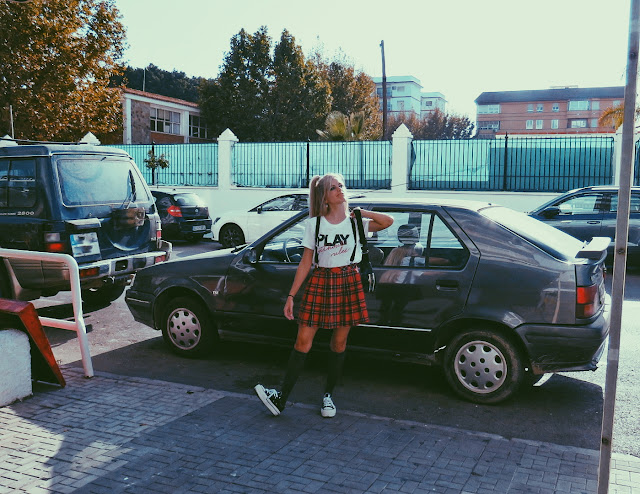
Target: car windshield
[(546, 237), (91, 180)]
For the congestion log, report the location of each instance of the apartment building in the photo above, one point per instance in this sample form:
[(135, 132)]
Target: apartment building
[(150, 117), (404, 95), (558, 110)]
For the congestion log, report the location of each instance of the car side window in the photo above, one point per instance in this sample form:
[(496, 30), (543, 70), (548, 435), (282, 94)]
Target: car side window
[(18, 183), (285, 203), (634, 206), (582, 204), (417, 239), (285, 246)]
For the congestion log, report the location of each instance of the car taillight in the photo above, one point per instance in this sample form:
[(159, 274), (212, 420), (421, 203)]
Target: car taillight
[(586, 305), (175, 211), (53, 243), (161, 258), (86, 273)]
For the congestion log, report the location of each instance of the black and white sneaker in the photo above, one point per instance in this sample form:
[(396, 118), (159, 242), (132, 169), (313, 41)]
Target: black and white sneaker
[(328, 408), (271, 398)]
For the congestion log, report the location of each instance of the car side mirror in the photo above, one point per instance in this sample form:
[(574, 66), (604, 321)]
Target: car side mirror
[(250, 256), (550, 212), (259, 210)]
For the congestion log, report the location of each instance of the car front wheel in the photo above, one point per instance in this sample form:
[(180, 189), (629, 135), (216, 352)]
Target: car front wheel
[(187, 327), (231, 235), (483, 366)]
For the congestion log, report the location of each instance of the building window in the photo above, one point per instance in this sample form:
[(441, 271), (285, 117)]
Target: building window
[(482, 109), (555, 107), (400, 89), (595, 105), (198, 127), (529, 124), (540, 107), (428, 103), (578, 123), (165, 121), (530, 107), (594, 123), (578, 105), (379, 92), (400, 105), (554, 124), (539, 124), (490, 125)]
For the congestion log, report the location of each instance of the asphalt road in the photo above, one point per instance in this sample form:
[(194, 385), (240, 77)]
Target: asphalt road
[(566, 409)]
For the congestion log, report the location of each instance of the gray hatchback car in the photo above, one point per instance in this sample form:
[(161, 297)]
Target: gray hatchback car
[(592, 212), (495, 297)]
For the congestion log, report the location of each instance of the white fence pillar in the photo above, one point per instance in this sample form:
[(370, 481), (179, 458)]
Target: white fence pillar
[(401, 159), (226, 142)]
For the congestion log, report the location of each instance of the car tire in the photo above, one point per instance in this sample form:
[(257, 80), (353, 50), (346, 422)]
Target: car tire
[(103, 295), (482, 366), (231, 235), (187, 327)]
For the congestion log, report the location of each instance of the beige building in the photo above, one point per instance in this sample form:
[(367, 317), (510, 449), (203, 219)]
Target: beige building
[(566, 110)]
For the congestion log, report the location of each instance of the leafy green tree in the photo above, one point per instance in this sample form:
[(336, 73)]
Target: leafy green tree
[(158, 81), (153, 162), (299, 96), (437, 125), (351, 93), (238, 97), (57, 57)]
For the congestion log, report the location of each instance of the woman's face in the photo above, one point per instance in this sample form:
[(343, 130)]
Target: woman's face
[(335, 195)]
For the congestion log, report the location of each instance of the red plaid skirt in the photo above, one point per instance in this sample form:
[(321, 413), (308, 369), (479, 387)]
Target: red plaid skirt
[(333, 298)]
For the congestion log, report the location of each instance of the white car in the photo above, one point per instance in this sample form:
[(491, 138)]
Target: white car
[(239, 227)]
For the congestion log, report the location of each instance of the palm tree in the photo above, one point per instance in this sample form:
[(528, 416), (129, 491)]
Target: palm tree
[(614, 116), (339, 127)]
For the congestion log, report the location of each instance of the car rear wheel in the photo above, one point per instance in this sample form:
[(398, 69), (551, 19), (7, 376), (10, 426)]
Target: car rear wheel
[(187, 327), (483, 366), (231, 235), (102, 295)]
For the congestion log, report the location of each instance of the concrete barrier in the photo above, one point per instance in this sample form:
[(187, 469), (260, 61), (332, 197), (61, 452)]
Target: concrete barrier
[(15, 366)]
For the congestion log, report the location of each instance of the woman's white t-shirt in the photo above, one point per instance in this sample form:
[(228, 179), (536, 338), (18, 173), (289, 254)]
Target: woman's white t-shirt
[(335, 243)]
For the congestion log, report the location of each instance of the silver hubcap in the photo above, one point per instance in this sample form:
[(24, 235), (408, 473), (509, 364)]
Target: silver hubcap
[(480, 367), (184, 328)]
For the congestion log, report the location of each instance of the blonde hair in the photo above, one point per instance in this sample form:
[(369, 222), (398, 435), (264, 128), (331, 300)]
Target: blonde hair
[(318, 189)]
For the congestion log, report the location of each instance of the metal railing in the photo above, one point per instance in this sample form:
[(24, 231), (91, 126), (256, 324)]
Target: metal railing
[(77, 324)]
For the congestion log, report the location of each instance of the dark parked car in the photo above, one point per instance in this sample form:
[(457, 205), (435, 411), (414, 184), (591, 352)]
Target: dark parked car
[(495, 297), (591, 212), (184, 215), (90, 202)]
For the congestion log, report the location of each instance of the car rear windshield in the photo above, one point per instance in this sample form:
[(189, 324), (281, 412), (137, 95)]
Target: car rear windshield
[(545, 237), (92, 180), (189, 200)]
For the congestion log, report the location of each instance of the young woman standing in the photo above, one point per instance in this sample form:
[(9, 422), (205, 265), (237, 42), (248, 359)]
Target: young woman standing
[(333, 298)]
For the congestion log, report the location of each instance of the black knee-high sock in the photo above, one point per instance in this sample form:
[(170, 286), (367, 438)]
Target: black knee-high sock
[(335, 364), (296, 362)]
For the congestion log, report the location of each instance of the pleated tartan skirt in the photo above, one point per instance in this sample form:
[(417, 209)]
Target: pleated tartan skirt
[(333, 298)]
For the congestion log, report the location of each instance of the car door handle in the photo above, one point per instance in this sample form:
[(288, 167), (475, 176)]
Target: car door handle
[(593, 222), (446, 285)]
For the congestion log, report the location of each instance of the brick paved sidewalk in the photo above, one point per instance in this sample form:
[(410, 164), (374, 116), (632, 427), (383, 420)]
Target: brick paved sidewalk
[(114, 434)]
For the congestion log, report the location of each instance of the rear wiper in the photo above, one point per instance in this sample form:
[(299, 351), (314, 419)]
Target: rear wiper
[(132, 195)]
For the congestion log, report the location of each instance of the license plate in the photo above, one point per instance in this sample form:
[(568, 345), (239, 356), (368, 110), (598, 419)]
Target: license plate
[(198, 227), (84, 244)]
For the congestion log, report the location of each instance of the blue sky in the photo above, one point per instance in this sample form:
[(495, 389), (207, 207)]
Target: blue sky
[(457, 47)]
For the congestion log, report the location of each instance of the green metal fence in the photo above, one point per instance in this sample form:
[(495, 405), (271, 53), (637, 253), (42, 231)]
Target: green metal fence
[(189, 164), (364, 164), (513, 163)]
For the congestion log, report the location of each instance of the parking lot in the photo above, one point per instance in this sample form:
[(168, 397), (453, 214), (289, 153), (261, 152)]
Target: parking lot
[(567, 409)]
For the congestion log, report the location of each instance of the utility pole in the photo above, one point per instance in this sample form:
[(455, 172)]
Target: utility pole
[(620, 252), (384, 93)]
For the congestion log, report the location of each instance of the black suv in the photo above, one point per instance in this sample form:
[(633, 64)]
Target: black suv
[(87, 201), (184, 215)]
